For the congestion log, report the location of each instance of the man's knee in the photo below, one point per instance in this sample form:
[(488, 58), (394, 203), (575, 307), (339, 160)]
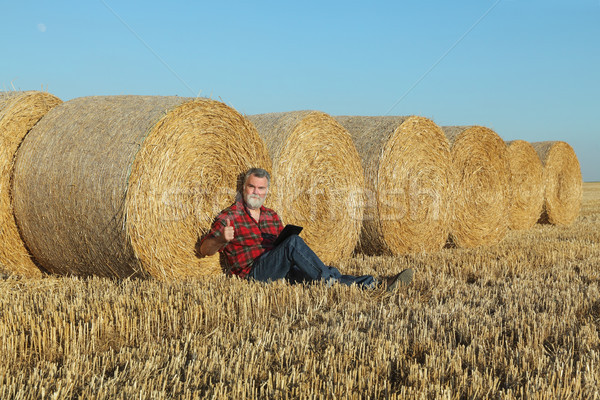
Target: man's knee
[(295, 241)]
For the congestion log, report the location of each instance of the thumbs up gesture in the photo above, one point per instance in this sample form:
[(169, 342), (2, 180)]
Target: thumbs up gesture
[(228, 233)]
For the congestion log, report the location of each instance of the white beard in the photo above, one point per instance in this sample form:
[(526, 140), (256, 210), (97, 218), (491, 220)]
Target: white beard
[(253, 201)]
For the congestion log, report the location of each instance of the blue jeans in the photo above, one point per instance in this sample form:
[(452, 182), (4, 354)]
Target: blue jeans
[(295, 261)]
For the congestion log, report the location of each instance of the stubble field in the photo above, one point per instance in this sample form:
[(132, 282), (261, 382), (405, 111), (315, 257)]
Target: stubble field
[(520, 319)]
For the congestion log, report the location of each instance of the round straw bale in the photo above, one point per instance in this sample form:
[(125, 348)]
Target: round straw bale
[(317, 179), (123, 186), (406, 164), (481, 191), (562, 180), (527, 184), (19, 112)]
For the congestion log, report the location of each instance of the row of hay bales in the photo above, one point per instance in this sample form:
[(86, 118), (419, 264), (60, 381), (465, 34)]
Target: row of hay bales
[(122, 186)]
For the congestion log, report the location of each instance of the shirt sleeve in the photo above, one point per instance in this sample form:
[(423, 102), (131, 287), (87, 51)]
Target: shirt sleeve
[(216, 228)]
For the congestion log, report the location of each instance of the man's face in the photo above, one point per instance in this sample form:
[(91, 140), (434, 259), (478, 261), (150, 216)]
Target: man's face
[(255, 191)]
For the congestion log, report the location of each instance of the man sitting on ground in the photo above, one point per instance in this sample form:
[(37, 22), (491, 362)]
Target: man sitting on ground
[(246, 231)]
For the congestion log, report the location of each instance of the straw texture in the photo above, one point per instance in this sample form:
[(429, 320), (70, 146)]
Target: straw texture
[(407, 183), (562, 181), (19, 112), (317, 179), (123, 186), (481, 191), (527, 184)]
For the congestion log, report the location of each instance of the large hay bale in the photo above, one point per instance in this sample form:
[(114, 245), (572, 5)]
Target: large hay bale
[(406, 164), (317, 179), (562, 180), (123, 186), (481, 192), (19, 112), (527, 184)]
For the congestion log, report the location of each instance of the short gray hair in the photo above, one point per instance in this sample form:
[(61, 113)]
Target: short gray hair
[(259, 173)]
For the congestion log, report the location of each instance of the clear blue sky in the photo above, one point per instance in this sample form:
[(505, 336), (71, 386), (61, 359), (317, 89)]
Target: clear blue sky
[(529, 69)]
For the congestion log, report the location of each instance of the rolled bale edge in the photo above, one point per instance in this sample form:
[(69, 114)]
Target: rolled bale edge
[(407, 179), (205, 146), (481, 191), (527, 184), (19, 112), (563, 184), (100, 177)]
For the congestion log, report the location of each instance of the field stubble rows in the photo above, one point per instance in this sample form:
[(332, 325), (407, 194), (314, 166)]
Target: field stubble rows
[(520, 319)]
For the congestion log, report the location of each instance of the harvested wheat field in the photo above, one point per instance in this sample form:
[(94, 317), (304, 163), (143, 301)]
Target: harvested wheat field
[(519, 319), (19, 112)]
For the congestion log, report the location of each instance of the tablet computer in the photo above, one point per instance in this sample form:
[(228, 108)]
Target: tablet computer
[(287, 231)]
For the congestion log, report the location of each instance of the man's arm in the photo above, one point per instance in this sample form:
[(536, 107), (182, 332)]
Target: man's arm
[(211, 245)]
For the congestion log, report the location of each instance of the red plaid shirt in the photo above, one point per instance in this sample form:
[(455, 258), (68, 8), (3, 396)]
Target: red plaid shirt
[(251, 238)]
